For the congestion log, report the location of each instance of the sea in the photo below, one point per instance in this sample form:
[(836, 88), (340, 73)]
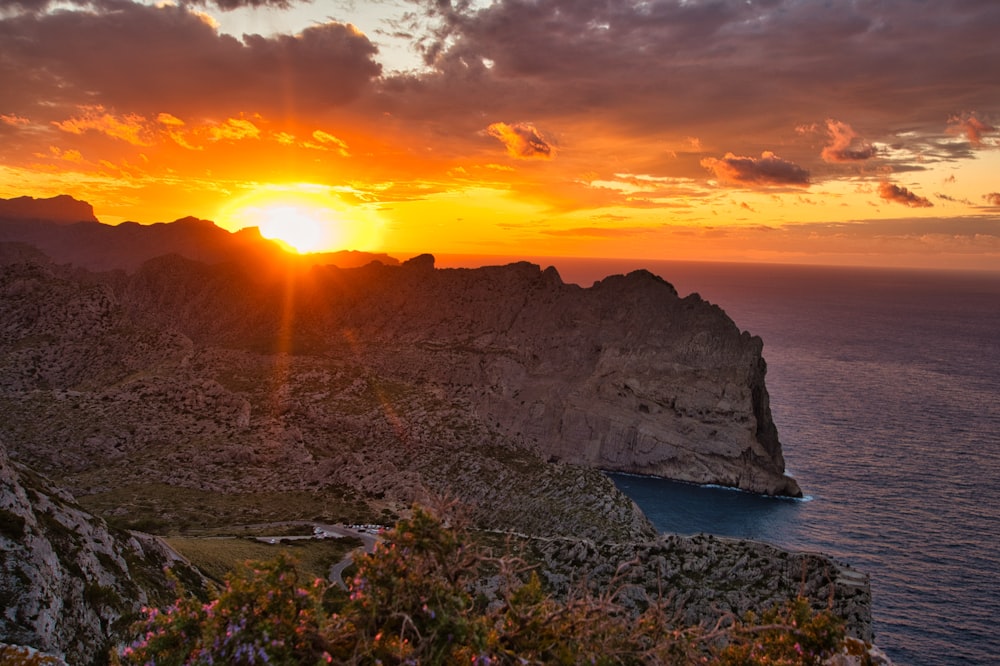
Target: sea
[(885, 387)]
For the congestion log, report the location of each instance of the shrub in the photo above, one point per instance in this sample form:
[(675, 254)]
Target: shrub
[(411, 602)]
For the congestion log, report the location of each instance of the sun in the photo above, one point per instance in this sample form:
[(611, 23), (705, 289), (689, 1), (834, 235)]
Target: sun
[(303, 219), (299, 228)]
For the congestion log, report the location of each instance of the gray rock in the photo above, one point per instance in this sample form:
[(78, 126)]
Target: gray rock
[(68, 584)]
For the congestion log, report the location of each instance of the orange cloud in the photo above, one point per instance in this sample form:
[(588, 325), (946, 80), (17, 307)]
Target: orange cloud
[(175, 130), (13, 120), (993, 198), (971, 126), (71, 155), (891, 192), (523, 141), (327, 141), (845, 145), (234, 129), (169, 120), (130, 128), (769, 169)]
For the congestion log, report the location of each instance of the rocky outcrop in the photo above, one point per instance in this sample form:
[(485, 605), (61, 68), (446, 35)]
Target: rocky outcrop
[(624, 376), (705, 576), (111, 403), (68, 585), (201, 394), (62, 209)]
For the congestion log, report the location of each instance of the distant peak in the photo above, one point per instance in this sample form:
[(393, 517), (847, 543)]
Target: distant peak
[(62, 209), (191, 219), (422, 261)]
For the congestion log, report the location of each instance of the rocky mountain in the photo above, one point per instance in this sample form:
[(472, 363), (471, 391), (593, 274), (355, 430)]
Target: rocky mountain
[(126, 400), (192, 393), (68, 583), (624, 376), (67, 231), (62, 209)]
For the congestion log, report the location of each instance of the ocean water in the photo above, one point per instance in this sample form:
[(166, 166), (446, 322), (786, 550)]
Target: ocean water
[(885, 387)]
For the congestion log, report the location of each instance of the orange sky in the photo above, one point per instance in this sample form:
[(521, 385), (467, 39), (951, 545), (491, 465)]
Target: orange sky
[(781, 130)]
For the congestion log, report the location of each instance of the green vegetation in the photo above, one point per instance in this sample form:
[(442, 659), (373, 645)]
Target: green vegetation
[(166, 509), (412, 602), (218, 557)]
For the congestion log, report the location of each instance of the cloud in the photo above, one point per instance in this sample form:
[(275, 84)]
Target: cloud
[(153, 59), (769, 169), (13, 120), (38, 6), (229, 5), (131, 128), (891, 192), (845, 145), (522, 140), (234, 129), (993, 198), (327, 141), (948, 197), (598, 232), (971, 126)]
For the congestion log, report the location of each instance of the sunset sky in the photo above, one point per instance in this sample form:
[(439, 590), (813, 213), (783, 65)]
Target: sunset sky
[(834, 132)]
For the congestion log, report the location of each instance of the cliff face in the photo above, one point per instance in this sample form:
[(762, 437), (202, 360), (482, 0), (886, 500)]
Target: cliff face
[(218, 395), (62, 209), (177, 385), (624, 376), (67, 584)]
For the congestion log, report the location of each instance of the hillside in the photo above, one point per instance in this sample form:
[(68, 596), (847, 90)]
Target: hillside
[(189, 394)]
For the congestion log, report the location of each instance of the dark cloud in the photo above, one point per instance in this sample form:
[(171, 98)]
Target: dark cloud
[(891, 192), (522, 140), (144, 59), (946, 197), (749, 67), (229, 5), (993, 198), (37, 6), (768, 169), (845, 145)]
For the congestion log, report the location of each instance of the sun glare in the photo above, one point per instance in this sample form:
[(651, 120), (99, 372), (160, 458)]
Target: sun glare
[(303, 221), (293, 226)]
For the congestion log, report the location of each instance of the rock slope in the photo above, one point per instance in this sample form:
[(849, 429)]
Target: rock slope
[(195, 394), (624, 376), (68, 584)]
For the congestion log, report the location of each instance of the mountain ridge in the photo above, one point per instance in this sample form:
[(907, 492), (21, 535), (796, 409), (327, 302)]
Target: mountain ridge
[(186, 394), (67, 231)]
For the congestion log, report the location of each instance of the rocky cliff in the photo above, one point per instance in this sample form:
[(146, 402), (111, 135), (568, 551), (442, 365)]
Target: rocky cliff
[(62, 209), (68, 584), (188, 394), (624, 376)]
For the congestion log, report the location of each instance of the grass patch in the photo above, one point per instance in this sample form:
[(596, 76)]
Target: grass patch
[(171, 510), (216, 557)]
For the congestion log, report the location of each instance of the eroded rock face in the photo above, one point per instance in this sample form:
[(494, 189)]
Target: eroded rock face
[(623, 376), (67, 583)]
